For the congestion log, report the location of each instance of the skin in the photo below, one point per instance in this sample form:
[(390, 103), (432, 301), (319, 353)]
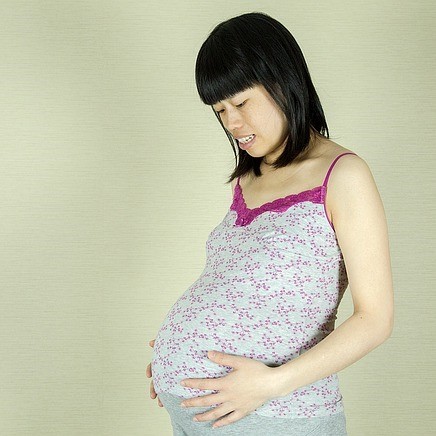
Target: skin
[(149, 374), (255, 111), (355, 207)]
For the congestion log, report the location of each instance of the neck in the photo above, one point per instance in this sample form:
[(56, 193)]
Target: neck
[(266, 167)]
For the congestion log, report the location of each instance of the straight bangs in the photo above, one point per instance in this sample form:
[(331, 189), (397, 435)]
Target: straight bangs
[(255, 49), (223, 70)]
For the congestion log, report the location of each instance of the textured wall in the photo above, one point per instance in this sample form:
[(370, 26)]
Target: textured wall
[(107, 195)]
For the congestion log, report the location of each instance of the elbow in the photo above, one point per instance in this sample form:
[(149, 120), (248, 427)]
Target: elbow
[(390, 323), (386, 334), (386, 329), (390, 328), (382, 326)]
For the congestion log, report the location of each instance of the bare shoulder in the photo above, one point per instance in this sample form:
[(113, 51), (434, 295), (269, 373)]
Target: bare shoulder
[(361, 229), (328, 152), (350, 179), (350, 175)]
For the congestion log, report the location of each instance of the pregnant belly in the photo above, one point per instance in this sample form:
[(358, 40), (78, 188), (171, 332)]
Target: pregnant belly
[(195, 325)]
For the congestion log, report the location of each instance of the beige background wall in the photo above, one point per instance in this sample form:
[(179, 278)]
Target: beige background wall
[(107, 195)]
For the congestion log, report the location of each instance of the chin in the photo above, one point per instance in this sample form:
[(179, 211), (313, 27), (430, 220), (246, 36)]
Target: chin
[(253, 153)]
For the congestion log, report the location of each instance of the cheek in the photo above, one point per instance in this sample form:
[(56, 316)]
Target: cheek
[(278, 124)]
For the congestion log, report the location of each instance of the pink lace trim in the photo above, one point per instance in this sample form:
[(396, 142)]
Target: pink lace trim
[(246, 216)]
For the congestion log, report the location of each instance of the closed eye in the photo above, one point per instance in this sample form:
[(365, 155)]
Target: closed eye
[(239, 105)]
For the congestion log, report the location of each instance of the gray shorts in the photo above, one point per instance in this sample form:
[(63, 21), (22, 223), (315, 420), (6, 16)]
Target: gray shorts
[(250, 425)]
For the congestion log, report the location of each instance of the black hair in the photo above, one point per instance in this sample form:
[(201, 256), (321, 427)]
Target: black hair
[(255, 49)]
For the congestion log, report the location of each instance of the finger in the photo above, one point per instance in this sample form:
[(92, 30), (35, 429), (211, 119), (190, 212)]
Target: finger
[(226, 359), (201, 383), (159, 402), (151, 343), (148, 371), (229, 419), (152, 391), (205, 400), (215, 413)]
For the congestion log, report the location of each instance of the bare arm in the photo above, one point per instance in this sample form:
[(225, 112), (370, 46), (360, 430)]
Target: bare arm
[(361, 229)]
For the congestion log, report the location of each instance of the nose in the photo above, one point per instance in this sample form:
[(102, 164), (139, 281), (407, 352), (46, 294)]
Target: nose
[(232, 121)]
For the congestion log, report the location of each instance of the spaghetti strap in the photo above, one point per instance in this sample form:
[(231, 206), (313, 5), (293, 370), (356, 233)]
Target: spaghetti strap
[(332, 165)]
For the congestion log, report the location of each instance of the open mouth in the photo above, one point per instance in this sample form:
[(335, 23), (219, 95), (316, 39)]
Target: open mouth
[(247, 139)]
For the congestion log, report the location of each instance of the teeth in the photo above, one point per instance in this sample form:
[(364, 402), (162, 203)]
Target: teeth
[(246, 139)]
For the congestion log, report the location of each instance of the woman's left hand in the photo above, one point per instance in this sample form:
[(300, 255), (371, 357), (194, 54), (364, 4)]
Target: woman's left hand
[(247, 387)]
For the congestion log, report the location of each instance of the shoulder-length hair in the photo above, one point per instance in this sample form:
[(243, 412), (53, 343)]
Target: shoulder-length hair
[(255, 49)]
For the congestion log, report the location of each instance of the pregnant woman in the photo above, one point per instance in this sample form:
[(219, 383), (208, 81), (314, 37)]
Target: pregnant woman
[(254, 338)]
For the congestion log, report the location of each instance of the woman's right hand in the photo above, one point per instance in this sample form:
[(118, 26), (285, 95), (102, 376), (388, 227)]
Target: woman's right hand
[(149, 374)]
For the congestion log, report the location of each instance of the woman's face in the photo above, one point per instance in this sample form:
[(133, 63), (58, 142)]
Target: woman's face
[(254, 111)]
